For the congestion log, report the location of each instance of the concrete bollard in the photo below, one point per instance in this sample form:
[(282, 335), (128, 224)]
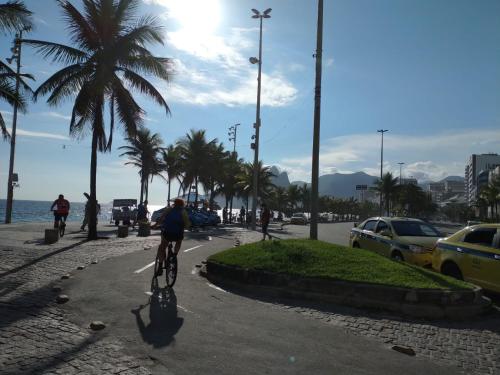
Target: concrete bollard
[(51, 235), (144, 230), (123, 231)]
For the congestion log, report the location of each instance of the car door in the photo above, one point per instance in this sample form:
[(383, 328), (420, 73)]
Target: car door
[(367, 237), (477, 255), (382, 244)]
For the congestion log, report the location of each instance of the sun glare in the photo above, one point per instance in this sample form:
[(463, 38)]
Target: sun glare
[(197, 17)]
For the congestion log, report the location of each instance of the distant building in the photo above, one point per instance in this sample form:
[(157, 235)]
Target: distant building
[(410, 181), (455, 187), (476, 165), (437, 190)]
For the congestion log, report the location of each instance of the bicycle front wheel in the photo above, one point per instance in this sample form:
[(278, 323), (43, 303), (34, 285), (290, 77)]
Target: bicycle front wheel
[(171, 273), (62, 227)]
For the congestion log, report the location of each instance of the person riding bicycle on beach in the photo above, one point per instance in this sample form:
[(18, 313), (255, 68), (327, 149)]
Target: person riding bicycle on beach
[(172, 222), (61, 211)]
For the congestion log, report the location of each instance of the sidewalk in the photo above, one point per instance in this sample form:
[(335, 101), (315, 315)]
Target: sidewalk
[(35, 336)]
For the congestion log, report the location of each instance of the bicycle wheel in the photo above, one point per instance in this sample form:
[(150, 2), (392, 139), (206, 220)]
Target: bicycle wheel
[(62, 227), (157, 268), (171, 274)]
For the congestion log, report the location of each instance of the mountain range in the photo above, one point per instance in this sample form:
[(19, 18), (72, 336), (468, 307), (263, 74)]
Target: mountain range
[(341, 185)]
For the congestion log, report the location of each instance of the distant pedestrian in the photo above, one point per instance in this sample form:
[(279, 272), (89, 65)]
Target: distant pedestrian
[(242, 215), (86, 215), (224, 215), (142, 213), (265, 218)]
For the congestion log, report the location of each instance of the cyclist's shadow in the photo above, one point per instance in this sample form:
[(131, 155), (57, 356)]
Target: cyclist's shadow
[(163, 320)]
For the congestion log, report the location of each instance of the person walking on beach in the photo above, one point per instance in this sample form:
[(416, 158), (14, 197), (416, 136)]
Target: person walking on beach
[(61, 211), (87, 211), (224, 215), (242, 215), (265, 218)]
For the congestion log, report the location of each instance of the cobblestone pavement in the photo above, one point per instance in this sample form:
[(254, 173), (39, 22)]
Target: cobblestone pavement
[(35, 336)]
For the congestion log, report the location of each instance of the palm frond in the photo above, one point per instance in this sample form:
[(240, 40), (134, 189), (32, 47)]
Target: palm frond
[(81, 31), (3, 129), (14, 16), (145, 87), (57, 52)]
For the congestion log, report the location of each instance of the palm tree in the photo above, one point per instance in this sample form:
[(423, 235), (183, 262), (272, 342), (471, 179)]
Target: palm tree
[(279, 198), (106, 58), (232, 167), (143, 151), (305, 197), (388, 187), (194, 150), (293, 194), (490, 194), (14, 16), (214, 165), (264, 181), (171, 165)]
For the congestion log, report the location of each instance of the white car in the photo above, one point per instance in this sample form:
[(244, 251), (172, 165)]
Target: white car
[(299, 218)]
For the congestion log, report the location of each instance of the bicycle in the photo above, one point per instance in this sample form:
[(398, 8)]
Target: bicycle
[(61, 226), (169, 265)]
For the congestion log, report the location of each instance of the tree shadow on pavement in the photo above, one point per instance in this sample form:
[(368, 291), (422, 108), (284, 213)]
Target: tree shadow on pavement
[(160, 328), (39, 259)]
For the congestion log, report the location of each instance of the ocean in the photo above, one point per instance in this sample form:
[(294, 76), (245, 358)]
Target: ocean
[(36, 211)]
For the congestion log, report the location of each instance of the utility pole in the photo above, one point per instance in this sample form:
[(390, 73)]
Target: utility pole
[(382, 131), (232, 137), (400, 165), (313, 234), (16, 50), (257, 124)]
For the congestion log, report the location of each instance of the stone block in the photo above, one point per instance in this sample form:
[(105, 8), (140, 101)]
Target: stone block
[(144, 230), (123, 231), (51, 235)]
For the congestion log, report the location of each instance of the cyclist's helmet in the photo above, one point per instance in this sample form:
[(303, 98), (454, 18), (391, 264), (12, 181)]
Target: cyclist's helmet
[(178, 202)]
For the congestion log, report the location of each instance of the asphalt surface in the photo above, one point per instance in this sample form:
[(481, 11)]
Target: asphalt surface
[(197, 327)]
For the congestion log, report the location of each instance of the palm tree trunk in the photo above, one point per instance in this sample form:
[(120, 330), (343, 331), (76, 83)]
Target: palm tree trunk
[(196, 189), (230, 209), (168, 199), (142, 187), (92, 234)]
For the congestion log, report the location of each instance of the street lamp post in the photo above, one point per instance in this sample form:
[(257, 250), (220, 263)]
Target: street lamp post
[(400, 165), (382, 131), (10, 183), (255, 60), (232, 137), (313, 230)]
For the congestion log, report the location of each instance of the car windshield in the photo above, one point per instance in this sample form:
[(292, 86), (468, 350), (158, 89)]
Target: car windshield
[(414, 229)]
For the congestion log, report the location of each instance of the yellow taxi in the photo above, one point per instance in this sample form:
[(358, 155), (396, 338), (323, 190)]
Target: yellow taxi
[(472, 254), (399, 238)]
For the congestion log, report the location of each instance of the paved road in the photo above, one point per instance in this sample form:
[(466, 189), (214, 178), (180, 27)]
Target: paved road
[(200, 328)]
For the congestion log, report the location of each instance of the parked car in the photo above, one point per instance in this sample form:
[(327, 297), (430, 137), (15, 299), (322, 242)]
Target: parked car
[(472, 254), (299, 218), (399, 238)]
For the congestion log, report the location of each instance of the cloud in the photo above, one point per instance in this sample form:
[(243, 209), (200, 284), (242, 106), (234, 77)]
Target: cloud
[(55, 115), (27, 133), (227, 77), (426, 157)]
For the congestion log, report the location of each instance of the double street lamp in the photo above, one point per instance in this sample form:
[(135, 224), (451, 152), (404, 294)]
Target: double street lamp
[(255, 60)]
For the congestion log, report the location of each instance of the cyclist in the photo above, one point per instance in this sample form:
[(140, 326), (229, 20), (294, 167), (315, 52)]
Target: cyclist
[(172, 222), (61, 210)]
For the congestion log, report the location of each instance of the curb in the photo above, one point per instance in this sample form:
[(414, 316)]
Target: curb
[(417, 303)]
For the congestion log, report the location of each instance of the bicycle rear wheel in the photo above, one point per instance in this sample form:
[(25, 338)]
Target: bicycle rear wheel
[(62, 227), (171, 269)]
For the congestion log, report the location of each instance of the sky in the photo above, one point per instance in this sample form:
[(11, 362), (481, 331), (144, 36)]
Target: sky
[(427, 70)]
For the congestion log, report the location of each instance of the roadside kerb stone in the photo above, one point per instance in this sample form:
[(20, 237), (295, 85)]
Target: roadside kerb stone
[(420, 303)]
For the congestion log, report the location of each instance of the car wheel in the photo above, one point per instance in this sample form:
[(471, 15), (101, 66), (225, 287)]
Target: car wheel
[(355, 245), (451, 269), (397, 256)]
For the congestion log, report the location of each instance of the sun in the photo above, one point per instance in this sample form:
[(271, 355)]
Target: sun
[(196, 17)]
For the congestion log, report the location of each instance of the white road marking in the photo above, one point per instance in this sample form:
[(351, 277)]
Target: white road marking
[(145, 267), (193, 248), (216, 288), (153, 263)]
